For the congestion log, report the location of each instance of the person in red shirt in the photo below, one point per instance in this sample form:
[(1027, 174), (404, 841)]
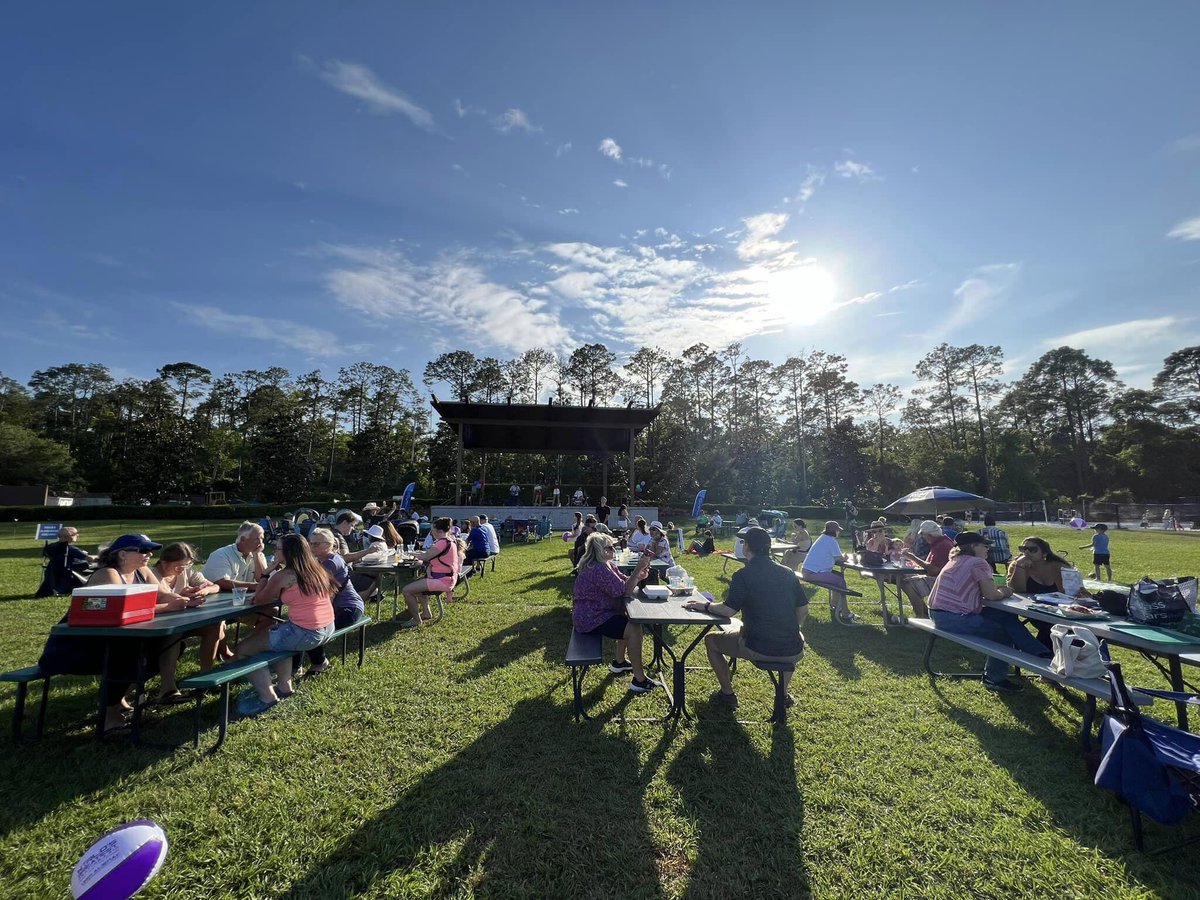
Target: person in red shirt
[(918, 588)]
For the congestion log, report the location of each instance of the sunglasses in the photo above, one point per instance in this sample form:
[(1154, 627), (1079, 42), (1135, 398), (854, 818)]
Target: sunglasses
[(1030, 548)]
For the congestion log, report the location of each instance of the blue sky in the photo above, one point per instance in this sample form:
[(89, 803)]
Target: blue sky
[(309, 184)]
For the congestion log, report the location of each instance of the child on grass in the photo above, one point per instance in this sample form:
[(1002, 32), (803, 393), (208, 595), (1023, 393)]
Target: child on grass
[(1100, 554)]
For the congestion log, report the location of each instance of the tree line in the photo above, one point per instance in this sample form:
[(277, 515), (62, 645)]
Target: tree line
[(750, 430)]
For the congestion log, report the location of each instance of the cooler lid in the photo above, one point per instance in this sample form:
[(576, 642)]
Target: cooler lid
[(114, 590)]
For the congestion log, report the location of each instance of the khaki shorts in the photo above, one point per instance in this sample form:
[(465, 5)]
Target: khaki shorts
[(731, 641)]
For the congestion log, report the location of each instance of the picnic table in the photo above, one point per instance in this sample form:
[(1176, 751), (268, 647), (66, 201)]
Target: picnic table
[(892, 574), (657, 615), (390, 569), (215, 609), (1120, 631)]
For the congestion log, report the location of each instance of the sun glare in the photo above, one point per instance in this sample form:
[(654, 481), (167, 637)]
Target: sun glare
[(802, 295)]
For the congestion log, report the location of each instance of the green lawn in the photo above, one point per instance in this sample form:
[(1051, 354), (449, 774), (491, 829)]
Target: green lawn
[(449, 766)]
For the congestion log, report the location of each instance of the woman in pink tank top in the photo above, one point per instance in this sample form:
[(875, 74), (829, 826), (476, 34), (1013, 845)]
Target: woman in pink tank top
[(304, 587)]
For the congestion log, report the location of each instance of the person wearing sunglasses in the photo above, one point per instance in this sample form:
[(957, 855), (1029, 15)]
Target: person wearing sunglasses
[(1038, 570)]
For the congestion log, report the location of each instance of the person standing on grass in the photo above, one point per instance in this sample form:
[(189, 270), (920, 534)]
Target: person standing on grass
[(603, 511), (598, 606), (823, 555), (773, 607), (956, 605), (999, 553), (1100, 554), (305, 588)]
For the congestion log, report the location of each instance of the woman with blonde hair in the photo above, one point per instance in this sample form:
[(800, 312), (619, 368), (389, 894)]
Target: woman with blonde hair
[(599, 599), (304, 587)]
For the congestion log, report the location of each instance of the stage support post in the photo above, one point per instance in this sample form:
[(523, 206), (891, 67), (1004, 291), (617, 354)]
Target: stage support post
[(458, 469)]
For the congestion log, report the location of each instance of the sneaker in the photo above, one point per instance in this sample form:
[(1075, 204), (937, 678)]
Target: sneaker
[(319, 668), (1007, 686), (642, 687), (723, 699), (789, 702), (250, 704), (620, 667), (849, 619)]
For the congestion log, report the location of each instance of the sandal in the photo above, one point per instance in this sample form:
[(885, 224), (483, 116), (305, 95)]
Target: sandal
[(172, 699)]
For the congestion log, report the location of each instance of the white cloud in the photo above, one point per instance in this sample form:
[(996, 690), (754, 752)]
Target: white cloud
[(562, 148), (848, 168), (760, 240), (568, 211), (385, 285), (514, 120), (872, 296), (312, 341), (974, 296), (1187, 230), (611, 149), (359, 81), (620, 183), (1117, 336), (808, 187)]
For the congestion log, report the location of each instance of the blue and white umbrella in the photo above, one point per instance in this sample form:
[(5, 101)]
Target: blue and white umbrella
[(928, 499)]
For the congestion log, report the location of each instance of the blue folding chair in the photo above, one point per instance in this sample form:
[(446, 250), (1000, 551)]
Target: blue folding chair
[(1153, 768)]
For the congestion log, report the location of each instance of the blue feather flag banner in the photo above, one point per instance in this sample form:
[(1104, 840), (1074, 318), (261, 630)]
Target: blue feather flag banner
[(699, 504)]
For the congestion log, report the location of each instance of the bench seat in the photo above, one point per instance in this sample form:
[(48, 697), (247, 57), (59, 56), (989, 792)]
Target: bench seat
[(1094, 688), (22, 678), (222, 677), (583, 650)]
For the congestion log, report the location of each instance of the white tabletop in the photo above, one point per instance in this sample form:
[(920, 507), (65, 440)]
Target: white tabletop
[(670, 611)]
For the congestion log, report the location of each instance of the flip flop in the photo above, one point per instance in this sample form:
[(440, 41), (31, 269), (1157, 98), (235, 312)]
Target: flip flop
[(172, 699)]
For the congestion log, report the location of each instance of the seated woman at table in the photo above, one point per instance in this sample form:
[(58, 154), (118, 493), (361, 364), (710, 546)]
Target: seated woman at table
[(622, 522), (704, 547), (1038, 570), (598, 606), (348, 606), (375, 553), (123, 562), (956, 605), (639, 539), (660, 545), (878, 540), (793, 559), (175, 573), (306, 590), (442, 562)]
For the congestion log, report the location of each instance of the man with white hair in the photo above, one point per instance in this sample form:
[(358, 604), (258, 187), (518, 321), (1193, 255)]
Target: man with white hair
[(240, 564), (68, 566)]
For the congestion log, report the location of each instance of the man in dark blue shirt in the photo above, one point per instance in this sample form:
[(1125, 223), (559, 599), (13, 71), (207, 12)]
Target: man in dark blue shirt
[(67, 567), (773, 607)]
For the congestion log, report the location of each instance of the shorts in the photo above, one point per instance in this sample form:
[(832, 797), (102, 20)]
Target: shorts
[(1101, 559), (732, 642), (439, 585), (613, 627), (290, 636)]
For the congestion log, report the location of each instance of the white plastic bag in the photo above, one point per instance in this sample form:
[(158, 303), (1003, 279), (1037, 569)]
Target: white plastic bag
[(1076, 652), (1072, 581)]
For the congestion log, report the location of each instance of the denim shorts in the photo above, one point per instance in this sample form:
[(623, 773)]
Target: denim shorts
[(290, 636)]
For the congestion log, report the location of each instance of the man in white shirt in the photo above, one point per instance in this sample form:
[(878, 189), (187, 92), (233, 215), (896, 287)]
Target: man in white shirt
[(817, 568), (716, 521), (240, 564), (490, 530)]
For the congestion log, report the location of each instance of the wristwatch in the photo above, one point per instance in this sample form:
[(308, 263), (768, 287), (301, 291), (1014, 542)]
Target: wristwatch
[(707, 605)]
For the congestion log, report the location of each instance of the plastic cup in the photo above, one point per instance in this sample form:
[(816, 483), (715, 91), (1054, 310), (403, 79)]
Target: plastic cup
[(239, 596)]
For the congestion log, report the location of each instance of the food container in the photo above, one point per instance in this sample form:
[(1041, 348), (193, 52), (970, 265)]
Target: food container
[(109, 605), (656, 591)]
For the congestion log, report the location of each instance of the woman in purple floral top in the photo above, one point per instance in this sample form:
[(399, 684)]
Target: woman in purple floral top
[(600, 596)]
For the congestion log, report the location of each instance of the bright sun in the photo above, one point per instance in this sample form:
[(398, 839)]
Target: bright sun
[(801, 295)]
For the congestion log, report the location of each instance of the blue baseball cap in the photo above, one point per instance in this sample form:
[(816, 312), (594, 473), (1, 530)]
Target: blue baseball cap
[(134, 542)]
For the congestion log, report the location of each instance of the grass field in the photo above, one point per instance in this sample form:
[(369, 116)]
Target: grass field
[(448, 766)]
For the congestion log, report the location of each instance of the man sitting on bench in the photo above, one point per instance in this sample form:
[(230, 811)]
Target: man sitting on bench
[(956, 605), (773, 607), (818, 565)]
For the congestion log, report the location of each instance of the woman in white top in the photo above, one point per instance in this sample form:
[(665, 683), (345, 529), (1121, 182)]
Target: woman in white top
[(375, 553), (660, 544), (818, 565), (639, 538), (622, 517)]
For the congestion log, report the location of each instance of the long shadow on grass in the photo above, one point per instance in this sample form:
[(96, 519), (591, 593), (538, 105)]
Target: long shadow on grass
[(749, 811), (548, 631), (536, 807)]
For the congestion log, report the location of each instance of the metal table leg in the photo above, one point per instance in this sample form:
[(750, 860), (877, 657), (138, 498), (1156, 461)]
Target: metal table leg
[(104, 679), (1178, 685)]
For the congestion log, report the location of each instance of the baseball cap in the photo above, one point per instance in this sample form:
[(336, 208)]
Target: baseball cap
[(134, 542), (967, 538)]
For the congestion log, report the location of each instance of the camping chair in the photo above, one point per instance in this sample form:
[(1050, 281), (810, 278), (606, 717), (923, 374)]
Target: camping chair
[(520, 531), (1153, 768), (543, 529)]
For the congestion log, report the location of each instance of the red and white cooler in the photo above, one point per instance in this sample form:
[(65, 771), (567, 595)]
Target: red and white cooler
[(108, 605)]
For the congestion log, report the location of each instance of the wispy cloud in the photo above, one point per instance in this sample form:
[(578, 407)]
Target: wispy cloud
[(978, 292), (312, 341), (848, 168), (808, 187), (1187, 230), (872, 296), (568, 211), (621, 183), (1116, 336), (611, 149), (514, 120), (562, 148), (1184, 144), (385, 285), (360, 82)]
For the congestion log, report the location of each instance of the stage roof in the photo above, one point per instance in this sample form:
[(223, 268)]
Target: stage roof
[(530, 428)]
